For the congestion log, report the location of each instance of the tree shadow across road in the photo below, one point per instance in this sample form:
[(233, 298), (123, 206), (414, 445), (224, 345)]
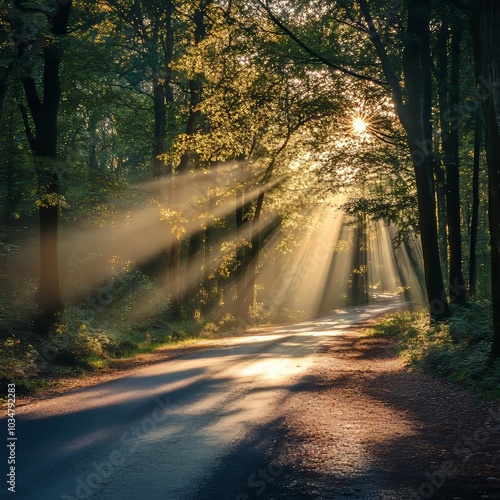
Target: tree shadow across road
[(364, 426)]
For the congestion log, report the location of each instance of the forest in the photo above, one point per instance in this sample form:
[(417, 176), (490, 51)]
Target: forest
[(184, 168)]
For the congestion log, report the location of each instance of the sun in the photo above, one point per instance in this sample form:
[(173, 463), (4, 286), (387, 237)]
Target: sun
[(359, 125)]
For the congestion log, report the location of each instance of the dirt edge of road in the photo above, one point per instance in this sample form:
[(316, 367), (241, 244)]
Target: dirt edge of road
[(119, 368), (363, 425)]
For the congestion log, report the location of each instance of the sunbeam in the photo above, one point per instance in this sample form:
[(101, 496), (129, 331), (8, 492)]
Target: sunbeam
[(144, 232), (336, 264)]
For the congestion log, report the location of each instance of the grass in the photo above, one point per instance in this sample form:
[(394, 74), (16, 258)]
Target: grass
[(76, 348), (457, 349)]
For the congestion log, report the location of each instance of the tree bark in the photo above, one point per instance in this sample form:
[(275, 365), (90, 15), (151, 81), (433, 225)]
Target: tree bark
[(457, 282), (3, 88), (485, 20), (195, 84), (475, 209), (255, 244), (242, 257), (359, 283), (160, 129), (449, 97), (441, 212)]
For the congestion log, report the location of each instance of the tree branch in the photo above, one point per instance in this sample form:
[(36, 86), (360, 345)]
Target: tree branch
[(61, 18), (32, 96), (315, 54), (27, 128), (392, 80)]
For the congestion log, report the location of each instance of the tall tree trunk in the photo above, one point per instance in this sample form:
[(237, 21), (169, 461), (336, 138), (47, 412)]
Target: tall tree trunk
[(254, 250), (441, 209), (359, 284), (195, 90), (451, 147), (253, 253), (195, 84), (448, 92), (242, 257), (207, 249), (160, 129), (486, 37), (417, 78), (3, 88), (162, 82), (92, 131), (413, 116), (44, 147), (475, 209), (440, 170), (193, 123), (163, 98)]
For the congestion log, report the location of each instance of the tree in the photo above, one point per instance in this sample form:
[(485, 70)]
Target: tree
[(485, 20), (475, 207), (43, 109), (415, 115), (199, 20), (449, 97), (412, 101)]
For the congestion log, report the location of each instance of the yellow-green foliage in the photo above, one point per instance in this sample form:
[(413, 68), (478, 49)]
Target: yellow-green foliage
[(73, 343), (17, 360)]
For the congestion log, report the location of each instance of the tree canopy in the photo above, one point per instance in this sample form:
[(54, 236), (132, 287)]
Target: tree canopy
[(234, 161)]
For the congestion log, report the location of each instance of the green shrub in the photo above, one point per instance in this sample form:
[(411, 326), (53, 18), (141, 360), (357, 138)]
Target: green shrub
[(17, 361), (209, 330), (457, 349), (73, 343)]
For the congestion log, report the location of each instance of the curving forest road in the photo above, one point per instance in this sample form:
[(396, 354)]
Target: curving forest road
[(165, 431)]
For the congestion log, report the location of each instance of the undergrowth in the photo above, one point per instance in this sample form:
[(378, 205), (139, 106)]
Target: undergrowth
[(457, 349), (80, 343)]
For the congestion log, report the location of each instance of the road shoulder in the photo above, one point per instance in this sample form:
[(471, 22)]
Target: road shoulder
[(363, 425)]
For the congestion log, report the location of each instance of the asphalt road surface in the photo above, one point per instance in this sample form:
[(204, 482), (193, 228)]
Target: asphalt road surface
[(197, 427)]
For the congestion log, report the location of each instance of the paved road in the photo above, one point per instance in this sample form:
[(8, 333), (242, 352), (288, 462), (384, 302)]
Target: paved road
[(194, 428)]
